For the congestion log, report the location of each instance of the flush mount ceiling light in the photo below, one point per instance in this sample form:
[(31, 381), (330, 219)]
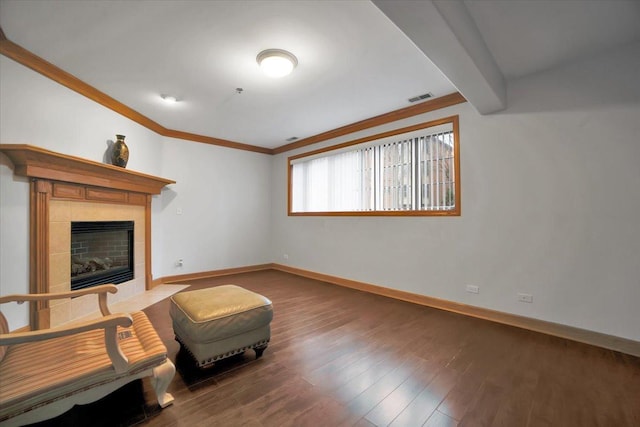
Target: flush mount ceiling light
[(169, 99), (276, 62)]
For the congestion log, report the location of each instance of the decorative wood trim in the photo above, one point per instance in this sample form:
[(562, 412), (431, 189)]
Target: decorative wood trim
[(51, 71), (148, 276), (79, 192), (37, 162), (213, 273), (458, 162), (110, 196), (81, 180), (137, 199), (378, 213), (215, 141), (47, 69), (403, 113), (611, 342), (40, 195), (418, 126), (68, 191)]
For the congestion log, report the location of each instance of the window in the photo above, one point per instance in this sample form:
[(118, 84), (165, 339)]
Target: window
[(409, 171)]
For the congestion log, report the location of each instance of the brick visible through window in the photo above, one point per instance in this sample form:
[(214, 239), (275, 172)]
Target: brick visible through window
[(410, 171)]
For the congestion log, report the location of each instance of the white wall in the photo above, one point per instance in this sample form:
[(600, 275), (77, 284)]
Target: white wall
[(37, 111), (226, 206), (550, 199), (550, 207), (224, 196)]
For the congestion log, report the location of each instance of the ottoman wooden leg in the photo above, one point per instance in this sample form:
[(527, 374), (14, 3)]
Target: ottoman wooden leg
[(259, 351)]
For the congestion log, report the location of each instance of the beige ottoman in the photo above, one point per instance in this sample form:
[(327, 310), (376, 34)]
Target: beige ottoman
[(218, 322)]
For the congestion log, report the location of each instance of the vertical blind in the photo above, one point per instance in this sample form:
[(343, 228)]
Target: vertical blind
[(411, 173)]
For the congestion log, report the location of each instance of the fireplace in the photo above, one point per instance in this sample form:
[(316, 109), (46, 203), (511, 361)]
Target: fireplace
[(101, 252), (64, 189)]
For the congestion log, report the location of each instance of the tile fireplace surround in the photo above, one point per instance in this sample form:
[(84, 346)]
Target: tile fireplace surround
[(65, 189), (61, 214)]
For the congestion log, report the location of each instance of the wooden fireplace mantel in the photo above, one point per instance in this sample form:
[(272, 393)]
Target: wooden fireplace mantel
[(36, 162), (55, 176)]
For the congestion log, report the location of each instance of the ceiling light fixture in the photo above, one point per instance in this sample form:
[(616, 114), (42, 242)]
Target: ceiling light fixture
[(276, 63), (169, 99)]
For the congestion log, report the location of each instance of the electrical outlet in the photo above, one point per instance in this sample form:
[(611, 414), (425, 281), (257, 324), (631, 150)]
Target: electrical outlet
[(179, 263), (525, 297), (473, 289), (285, 256), (179, 211)]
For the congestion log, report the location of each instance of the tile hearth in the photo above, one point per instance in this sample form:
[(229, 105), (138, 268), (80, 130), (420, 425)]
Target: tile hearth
[(134, 303)]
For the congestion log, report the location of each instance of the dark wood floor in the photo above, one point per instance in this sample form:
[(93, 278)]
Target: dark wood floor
[(340, 357)]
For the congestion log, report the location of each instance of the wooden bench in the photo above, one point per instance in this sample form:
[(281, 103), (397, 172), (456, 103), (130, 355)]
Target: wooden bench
[(44, 373)]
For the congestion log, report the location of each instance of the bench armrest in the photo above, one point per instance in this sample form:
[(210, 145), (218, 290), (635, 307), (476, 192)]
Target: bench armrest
[(109, 323), (101, 290)]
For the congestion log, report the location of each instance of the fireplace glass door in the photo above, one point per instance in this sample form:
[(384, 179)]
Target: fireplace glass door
[(101, 252)]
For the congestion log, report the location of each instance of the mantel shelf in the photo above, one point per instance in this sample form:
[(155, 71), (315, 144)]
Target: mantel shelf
[(35, 162)]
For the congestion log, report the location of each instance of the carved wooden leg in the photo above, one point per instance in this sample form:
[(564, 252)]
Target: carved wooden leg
[(162, 376), (259, 351)]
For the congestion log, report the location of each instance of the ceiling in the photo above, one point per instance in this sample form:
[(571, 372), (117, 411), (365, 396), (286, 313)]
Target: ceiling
[(530, 36), (357, 59)]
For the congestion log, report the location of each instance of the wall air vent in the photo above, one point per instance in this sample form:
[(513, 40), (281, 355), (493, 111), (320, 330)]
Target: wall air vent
[(421, 97)]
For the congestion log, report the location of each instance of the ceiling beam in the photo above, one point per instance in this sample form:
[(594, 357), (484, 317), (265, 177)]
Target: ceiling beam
[(447, 34)]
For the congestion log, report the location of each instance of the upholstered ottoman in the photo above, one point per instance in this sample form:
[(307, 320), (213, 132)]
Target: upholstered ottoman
[(218, 322)]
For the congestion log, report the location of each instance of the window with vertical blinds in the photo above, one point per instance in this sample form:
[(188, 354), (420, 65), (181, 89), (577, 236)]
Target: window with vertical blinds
[(409, 171)]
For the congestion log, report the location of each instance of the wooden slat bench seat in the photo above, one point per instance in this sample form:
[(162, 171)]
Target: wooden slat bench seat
[(44, 373)]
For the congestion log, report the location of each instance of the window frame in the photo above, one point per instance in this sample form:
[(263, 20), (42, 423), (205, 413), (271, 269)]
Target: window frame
[(453, 120)]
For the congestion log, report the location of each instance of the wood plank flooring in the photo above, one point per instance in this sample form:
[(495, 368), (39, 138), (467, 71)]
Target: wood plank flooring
[(340, 357)]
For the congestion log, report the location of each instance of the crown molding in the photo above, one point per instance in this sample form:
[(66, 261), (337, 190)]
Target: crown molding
[(47, 69), (30, 60), (403, 113)]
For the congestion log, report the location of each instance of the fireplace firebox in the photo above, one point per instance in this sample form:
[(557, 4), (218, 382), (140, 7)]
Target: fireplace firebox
[(101, 252)]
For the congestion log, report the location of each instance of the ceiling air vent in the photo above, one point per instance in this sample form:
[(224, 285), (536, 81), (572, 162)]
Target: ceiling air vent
[(293, 138), (421, 97)]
